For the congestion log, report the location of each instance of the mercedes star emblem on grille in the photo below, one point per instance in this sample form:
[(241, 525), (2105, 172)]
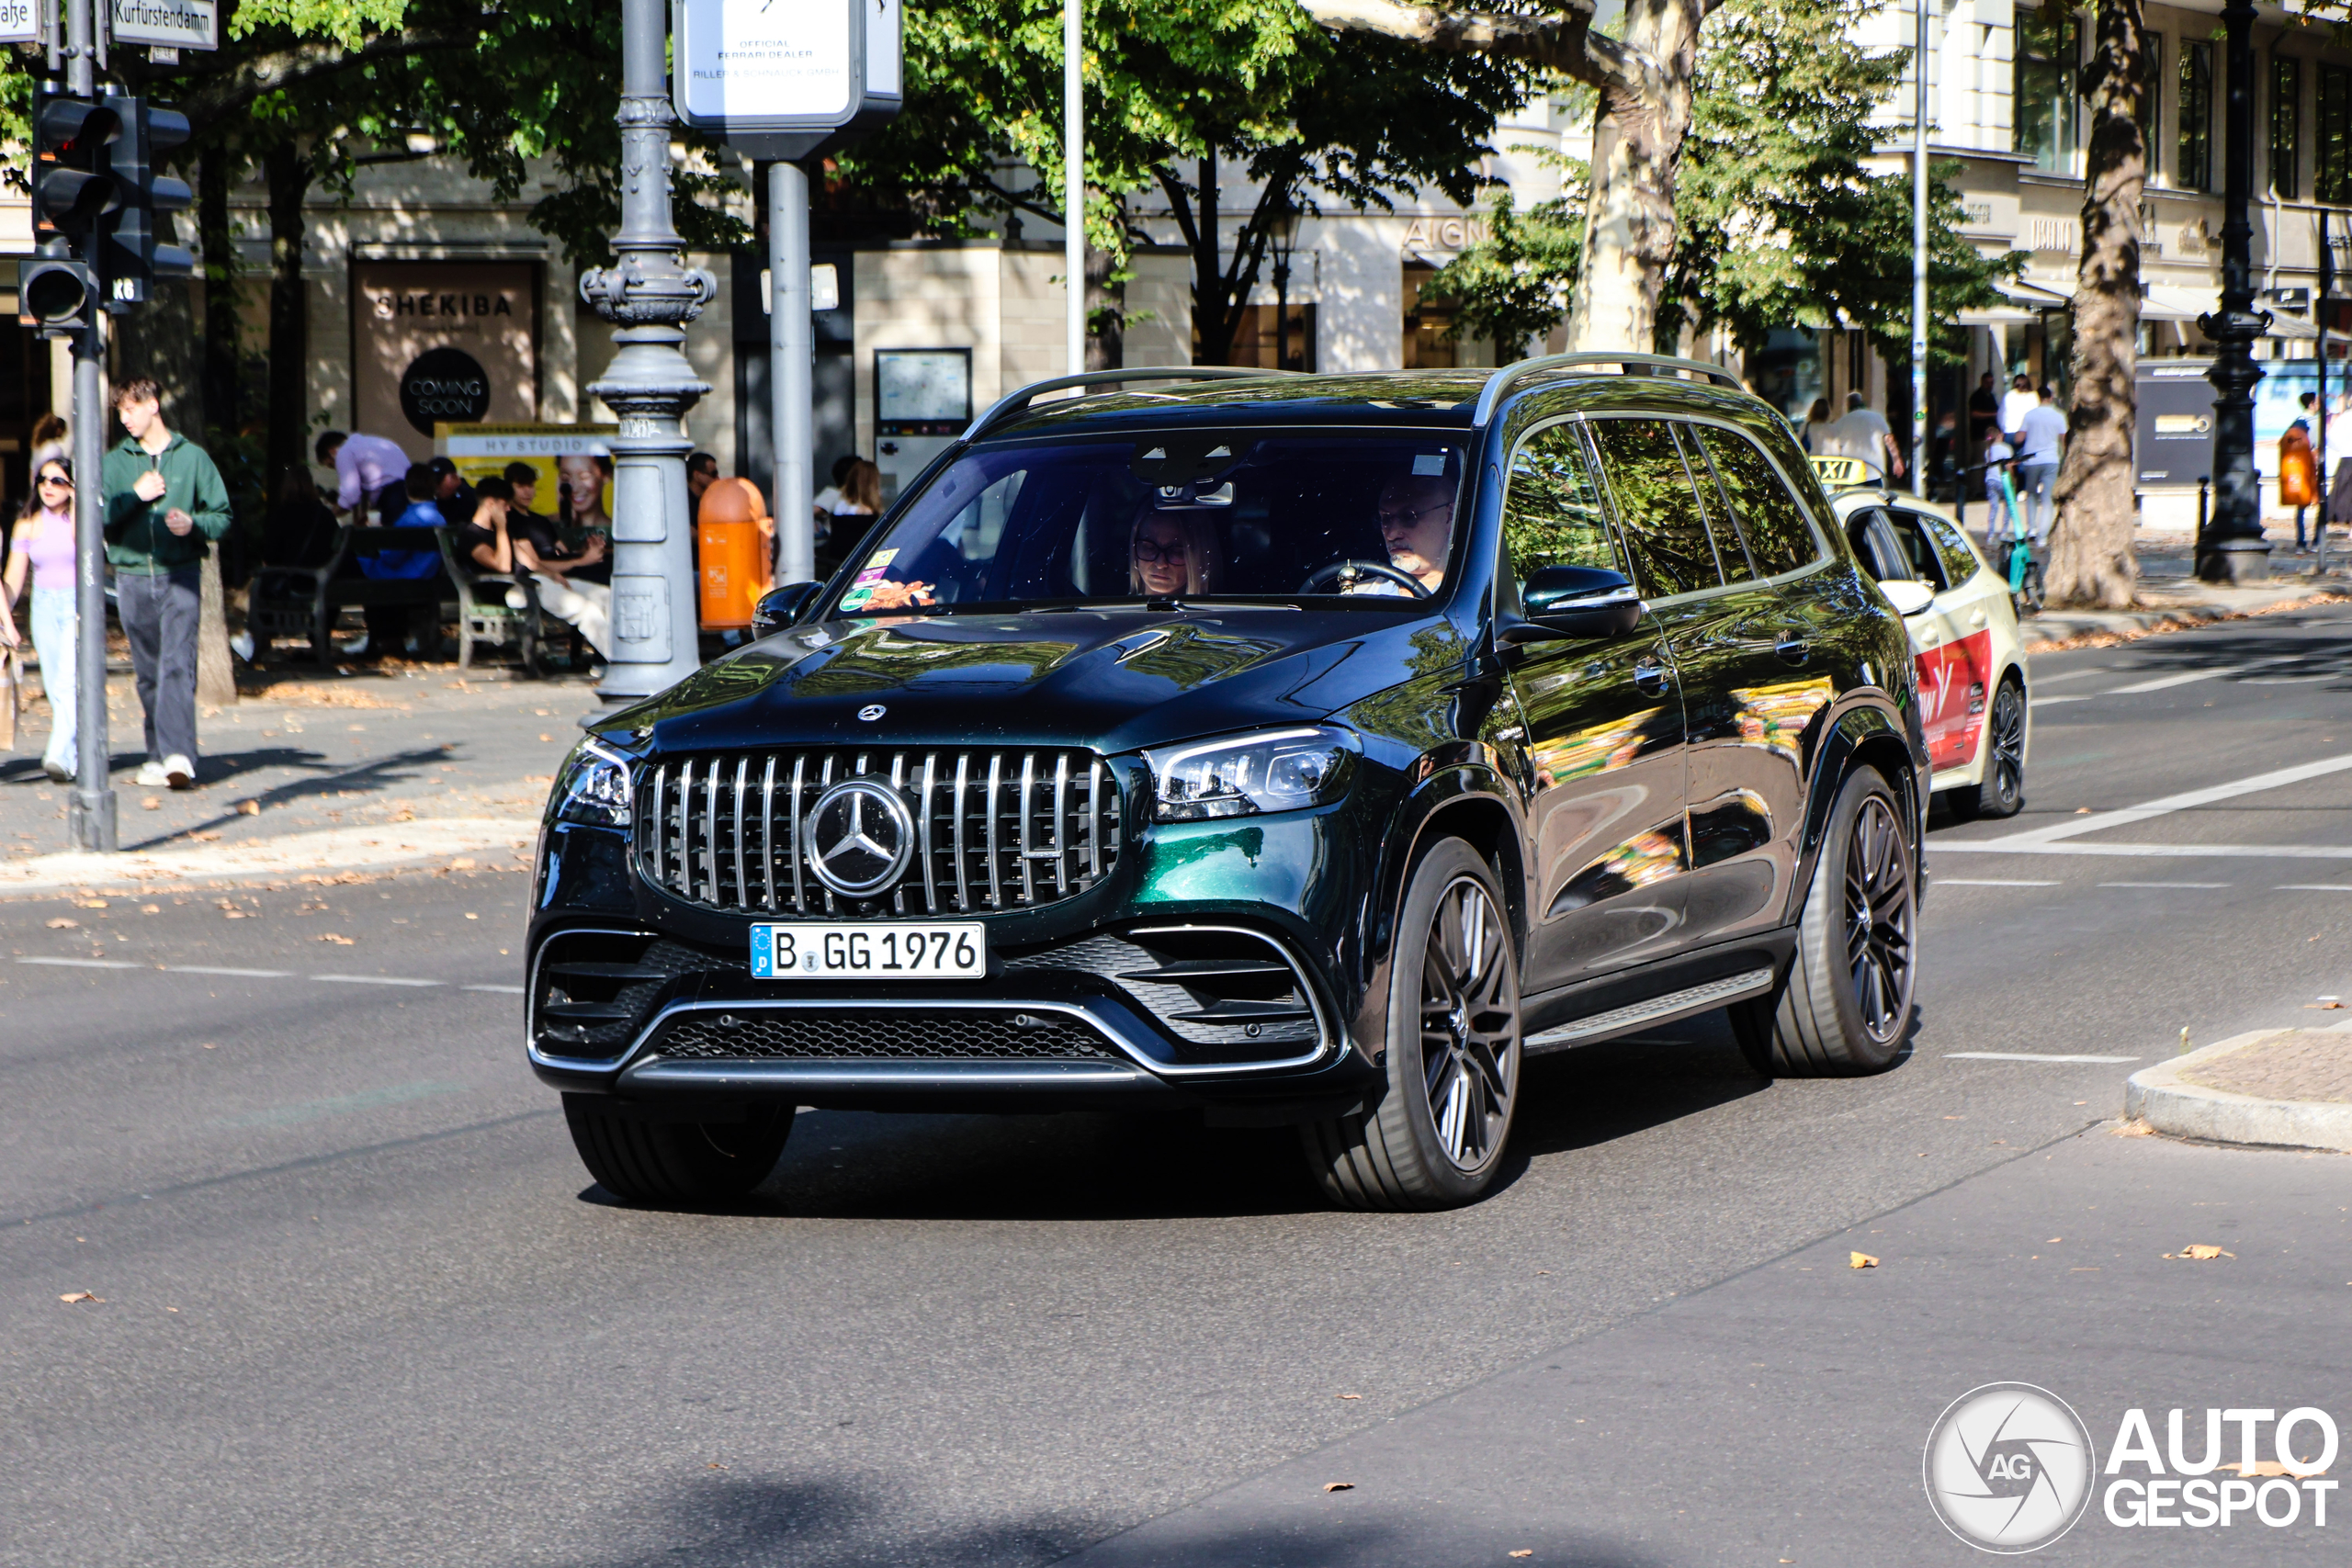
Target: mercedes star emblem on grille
[(861, 837), (871, 712)]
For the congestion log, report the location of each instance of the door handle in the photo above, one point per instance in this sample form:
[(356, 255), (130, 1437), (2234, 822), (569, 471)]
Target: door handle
[(1652, 678), (1792, 650), (1976, 618)]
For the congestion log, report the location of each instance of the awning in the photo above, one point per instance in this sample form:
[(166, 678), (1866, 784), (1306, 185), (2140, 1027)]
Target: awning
[(2166, 302), (2025, 302)]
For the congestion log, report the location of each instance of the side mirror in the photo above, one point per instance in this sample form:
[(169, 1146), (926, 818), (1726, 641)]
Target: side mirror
[(780, 607), (1575, 601), (1907, 594)]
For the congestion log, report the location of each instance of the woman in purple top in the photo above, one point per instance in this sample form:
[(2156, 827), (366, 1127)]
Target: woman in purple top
[(42, 541)]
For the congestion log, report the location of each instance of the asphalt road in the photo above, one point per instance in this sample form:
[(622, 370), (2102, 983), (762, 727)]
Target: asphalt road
[(357, 1305)]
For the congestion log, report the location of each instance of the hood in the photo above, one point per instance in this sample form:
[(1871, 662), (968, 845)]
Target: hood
[(1113, 679)]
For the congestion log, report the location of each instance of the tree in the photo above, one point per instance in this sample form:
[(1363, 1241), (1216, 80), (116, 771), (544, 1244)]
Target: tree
[(1174, 91), (2091, 559), (1644, 80), (1514, 286)]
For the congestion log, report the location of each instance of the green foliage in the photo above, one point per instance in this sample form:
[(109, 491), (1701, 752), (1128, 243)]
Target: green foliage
[(1514, 286), (1779, 219)]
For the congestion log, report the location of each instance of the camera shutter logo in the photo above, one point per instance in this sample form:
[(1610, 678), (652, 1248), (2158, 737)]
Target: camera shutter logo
[(2008, 1467), (861, 837)]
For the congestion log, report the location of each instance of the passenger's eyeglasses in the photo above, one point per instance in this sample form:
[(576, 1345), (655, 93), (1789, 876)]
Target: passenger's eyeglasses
[(1410, 517), (1146, 550)]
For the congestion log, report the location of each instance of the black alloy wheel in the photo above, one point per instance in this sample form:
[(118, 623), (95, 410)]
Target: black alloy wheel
[(2003, 792), (1452, 1061), (1845, 1005)]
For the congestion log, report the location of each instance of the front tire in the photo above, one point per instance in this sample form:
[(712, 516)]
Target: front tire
[(1845, 1007), (1436, 1139), (639, 1161)]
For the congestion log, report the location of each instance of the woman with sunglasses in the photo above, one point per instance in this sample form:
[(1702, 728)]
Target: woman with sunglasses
[(41, 545), (1172, 554)]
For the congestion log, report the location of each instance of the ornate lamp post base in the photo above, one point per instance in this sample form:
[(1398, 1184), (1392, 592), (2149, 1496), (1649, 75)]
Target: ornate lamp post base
[(2231, 548)]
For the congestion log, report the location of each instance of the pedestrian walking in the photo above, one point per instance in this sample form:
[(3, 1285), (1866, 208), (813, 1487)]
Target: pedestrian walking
[(165, 505), (2001, 523), (368, 471), (2016, 403), (1817, 425), (1983, 414), (2041, 443), (1864, 433), (40, 548), (2298, 466)]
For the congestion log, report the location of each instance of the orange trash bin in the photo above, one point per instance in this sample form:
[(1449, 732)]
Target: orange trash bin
[(737, 540)]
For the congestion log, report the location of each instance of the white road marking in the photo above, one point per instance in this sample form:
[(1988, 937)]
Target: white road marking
[(503, 990), (2071, 675), (2163, 885), (2098, 822), (2025, 1057), (2163, 683), (84, 963), (2226, 852), (2315, 888), (233, 974), (1982, 882), (2062, 697), (374, 980)]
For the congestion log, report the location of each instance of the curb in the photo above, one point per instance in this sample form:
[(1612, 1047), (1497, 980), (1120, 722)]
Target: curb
[(277, 858), (2160, 1097), (2052, 632)]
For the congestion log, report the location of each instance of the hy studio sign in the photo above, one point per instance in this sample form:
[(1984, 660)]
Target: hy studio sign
[(787, 78)]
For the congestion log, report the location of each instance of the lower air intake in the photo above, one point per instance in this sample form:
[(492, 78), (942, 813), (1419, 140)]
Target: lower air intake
[(928, 1034)]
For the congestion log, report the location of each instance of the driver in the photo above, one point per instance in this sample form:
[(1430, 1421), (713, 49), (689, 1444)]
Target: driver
[(1416, 523)]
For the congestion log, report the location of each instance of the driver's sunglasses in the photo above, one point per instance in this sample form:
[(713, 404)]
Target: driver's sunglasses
[(1146, 550), (1410, 517)]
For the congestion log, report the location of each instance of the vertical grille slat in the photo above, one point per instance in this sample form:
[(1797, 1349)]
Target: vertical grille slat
[(995, 829)]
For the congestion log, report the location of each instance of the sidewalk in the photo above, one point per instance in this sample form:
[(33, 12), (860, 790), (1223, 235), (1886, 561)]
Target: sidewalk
[(2171, 598), (2288, 1087), (308, 774)]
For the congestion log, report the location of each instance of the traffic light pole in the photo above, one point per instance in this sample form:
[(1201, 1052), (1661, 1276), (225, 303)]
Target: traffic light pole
[(90, 810)]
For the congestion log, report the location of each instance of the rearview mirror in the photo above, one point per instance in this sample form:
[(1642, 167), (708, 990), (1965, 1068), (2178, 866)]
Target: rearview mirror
[(1575, 601), (780, 607), (1907, 594)]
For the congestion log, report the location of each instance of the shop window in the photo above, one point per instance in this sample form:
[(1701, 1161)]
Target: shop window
[(2334, 181), (2044, 87), (2286, 124), (2194, 168), (1425, 345), (1254, 340)]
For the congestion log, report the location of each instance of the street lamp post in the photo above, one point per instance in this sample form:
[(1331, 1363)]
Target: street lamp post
[(2231, 548), (1282, 230), (650, 295)]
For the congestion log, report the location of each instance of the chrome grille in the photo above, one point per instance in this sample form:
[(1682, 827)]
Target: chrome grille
[(1000, 828)]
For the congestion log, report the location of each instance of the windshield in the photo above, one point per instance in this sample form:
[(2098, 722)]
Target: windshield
[(1186, 516)]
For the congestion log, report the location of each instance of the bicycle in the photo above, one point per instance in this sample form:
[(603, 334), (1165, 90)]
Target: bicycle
[(2024, 571)]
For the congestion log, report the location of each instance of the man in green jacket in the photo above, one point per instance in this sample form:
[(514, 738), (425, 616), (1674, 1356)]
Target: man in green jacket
[(165, 503)]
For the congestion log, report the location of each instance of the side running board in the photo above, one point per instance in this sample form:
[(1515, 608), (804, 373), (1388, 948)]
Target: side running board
[(1657, 1010)]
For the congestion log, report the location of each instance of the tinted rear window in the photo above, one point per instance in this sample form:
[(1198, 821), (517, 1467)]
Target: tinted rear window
[(1657, 507), (1777, 536)]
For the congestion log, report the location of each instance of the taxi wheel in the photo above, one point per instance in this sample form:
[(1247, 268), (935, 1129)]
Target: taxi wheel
[(641, 1161)]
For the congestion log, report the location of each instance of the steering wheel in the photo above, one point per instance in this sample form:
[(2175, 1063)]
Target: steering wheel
[(1403, 580)]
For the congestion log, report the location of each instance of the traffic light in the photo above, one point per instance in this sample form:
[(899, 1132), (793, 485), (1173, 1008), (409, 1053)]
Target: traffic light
[(55, 291), (133, 257), (72, 189)]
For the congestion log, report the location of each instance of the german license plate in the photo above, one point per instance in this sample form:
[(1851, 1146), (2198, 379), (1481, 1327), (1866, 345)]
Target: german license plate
[(833, 950)]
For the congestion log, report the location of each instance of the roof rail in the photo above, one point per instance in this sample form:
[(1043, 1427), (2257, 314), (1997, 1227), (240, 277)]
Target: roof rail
[(1503, 379), (1021, 399)]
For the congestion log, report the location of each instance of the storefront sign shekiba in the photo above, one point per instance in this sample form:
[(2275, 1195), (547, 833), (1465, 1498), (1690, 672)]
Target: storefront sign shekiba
[(443, 342)]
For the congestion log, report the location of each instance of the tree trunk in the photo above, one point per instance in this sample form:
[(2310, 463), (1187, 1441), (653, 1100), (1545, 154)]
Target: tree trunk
[(2091, 560), (1643, 114), (1213, 321), (288, 173), (223, 406), (1643, 79), (1106, 303)]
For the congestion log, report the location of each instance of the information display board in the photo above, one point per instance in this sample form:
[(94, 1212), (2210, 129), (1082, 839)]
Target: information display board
[(786, 77)]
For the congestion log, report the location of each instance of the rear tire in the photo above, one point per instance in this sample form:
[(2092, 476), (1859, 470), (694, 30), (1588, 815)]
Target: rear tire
[(1845, 1007), (2002, 793), (639, 1161), (1436, 1139)]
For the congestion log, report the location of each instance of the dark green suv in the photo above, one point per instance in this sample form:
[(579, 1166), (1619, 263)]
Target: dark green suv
[(1305, 750)]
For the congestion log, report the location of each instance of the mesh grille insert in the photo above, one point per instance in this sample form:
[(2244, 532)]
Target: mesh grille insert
[(925, 1034)]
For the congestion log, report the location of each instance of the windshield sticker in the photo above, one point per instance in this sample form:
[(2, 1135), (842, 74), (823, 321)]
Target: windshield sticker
[(876, 561), (1430, 463), (859, 597)]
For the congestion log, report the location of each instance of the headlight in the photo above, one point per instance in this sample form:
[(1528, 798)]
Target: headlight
[(1280, 770), (593, 787)]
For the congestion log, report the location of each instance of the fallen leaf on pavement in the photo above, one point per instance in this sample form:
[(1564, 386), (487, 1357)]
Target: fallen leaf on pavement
[(249, 808), (61, 924), (207, 837), (330, 936), (2322, 1007), (1338, 1486), (2135, 1128), (463, 862), (91, 903), (153, 803), (1524, 1552), (1860, 1260), (82, 1297), (1351, 1397), (2202, 1251), (2259, 1467)]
